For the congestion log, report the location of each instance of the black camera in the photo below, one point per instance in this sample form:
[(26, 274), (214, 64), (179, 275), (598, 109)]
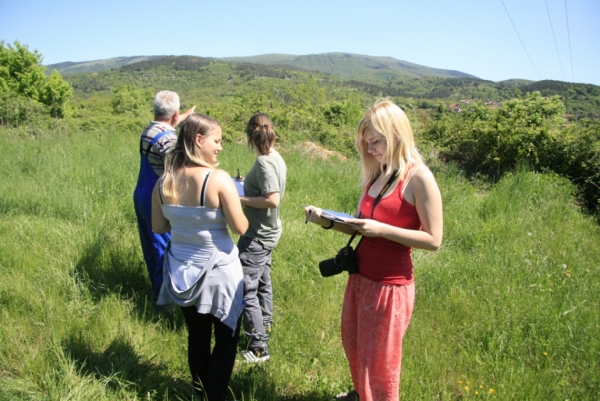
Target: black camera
[(345, 260)]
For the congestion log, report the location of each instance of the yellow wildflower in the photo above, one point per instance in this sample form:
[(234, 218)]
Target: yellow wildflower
[(467, 389), (491, 391)]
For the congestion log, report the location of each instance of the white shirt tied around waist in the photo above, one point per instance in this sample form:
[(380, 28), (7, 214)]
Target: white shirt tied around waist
[(216, 287)]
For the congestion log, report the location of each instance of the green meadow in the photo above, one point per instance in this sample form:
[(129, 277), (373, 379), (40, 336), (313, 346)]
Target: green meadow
[(507, 309)]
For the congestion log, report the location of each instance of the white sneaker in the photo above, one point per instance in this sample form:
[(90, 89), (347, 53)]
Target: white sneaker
[(256, 355)]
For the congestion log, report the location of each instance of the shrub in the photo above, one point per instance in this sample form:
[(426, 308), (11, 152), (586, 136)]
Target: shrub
[(22, 73), (529, 130)]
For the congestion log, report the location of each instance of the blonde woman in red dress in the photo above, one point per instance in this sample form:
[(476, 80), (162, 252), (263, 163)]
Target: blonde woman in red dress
[(400, 208)]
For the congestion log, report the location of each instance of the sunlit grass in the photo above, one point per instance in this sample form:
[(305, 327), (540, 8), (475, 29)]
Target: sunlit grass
[(507, 309)]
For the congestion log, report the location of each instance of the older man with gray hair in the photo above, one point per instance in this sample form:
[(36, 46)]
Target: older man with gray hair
[(157, 139)]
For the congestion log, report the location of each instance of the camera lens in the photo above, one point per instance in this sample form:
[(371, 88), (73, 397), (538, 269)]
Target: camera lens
[(329, 268)]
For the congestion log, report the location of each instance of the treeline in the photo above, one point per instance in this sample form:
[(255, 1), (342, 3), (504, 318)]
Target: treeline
[(443, 89), (177, 63), (581, 100), (192, 75), (190, 63)]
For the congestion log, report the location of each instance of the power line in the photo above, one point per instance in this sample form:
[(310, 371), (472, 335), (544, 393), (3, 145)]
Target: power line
[(555, 45), (513, 24), (569, 35)]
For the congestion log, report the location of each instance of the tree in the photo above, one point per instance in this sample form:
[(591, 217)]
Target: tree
[(491, 142), (21, 70), (56, 93), (129, 99), (22, 74)]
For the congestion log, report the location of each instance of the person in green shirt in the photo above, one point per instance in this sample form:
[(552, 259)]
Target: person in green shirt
[(264, 188)]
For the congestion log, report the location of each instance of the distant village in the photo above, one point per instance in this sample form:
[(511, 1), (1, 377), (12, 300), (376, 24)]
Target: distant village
[(457, 107)]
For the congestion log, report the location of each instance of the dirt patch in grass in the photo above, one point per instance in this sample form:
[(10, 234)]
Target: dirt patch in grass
[(315, 151)]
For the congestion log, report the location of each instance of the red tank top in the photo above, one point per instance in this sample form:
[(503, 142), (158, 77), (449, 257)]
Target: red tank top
[(382, 260)]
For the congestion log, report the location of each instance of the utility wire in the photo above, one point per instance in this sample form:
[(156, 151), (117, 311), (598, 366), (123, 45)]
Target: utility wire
[(555, 45), (569, 35), (513, 24)]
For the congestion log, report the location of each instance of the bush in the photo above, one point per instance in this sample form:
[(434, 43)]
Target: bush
[(491, 142), (580, 161), (22, 73), (17, 109), (128, 99), (530, 131)]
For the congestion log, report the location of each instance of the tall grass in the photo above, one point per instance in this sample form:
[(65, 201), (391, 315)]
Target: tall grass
[(507, 309)]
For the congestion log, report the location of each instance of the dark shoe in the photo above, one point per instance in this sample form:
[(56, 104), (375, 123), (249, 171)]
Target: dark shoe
[(256, 355), (350, 396)]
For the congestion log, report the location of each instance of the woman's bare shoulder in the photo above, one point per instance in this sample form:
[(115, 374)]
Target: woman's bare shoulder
[(220, 174), (222, 180), (422, 172), (421, 179)]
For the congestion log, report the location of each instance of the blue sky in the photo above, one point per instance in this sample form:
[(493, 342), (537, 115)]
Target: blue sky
[(472, 36)]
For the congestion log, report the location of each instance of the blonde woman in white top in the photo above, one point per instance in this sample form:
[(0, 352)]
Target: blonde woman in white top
[(197, 202)]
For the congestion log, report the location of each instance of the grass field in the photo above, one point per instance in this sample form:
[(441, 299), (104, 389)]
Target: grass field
[(507, 309)]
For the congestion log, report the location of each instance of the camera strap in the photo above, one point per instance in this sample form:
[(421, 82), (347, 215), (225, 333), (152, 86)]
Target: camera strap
[(387, 186)]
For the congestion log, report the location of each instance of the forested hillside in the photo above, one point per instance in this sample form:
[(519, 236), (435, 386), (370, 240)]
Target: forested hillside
[(377, 70), (377, 76), (69, 67), (349, 66)]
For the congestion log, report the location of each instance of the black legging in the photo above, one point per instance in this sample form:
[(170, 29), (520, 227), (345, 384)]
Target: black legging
[(210, 369)]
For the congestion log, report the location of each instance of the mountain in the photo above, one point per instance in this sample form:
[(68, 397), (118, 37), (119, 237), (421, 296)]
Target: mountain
[(375, 76), (353, 66), (70, 67), (376, 70)]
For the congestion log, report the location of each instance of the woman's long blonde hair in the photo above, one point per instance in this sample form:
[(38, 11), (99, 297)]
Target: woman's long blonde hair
[(185, 151), (388, 120)]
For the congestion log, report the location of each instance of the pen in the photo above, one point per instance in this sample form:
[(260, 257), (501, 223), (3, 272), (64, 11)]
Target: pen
[(309, 212)]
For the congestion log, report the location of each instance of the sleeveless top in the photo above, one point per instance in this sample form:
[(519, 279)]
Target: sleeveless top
[(201, 266), (380, 259)]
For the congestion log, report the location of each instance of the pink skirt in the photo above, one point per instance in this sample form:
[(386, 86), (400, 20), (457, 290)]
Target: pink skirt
[(374, 319)]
